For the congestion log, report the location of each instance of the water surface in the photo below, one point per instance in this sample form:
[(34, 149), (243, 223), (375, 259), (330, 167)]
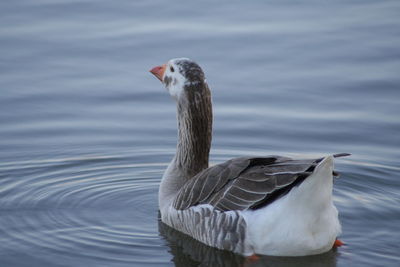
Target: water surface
[(86, 132)]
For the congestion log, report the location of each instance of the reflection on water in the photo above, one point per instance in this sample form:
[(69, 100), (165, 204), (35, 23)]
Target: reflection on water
[(187, 251)]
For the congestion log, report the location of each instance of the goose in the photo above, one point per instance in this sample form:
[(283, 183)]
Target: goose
[(270, 205)]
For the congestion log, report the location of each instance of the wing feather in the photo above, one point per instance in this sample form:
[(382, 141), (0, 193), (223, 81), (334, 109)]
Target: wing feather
[(244, 183)]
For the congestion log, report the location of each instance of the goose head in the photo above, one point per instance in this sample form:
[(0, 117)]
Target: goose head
[(185, 82), (179, 75)]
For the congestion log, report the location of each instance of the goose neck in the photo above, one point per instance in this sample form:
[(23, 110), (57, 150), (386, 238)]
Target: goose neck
[(194, 130)]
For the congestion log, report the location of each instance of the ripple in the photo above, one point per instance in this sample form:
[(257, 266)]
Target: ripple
[(104, 209), (97, 208), (73, 183)]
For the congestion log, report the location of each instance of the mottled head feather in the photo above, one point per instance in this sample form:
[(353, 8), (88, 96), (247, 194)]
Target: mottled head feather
[(181, 74)]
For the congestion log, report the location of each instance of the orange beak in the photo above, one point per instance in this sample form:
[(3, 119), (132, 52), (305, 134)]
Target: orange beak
[(158, 71)]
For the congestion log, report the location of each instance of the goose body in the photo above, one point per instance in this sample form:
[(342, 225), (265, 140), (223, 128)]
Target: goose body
[(270, 205)]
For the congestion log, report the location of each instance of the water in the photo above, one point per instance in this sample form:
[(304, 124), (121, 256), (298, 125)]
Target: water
[(86, 132)]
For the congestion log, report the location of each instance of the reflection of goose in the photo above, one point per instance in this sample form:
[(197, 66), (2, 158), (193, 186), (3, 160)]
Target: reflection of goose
[(187, 252), (268, 205)]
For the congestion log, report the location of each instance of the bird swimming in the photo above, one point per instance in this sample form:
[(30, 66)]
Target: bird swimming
[(271, 205)]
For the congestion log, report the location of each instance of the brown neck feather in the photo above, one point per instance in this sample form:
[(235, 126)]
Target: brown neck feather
[(194, 129)]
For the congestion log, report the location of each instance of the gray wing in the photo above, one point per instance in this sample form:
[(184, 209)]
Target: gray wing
[(244, 183)]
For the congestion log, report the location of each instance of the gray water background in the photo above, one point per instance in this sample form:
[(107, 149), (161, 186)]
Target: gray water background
[(86, 132)]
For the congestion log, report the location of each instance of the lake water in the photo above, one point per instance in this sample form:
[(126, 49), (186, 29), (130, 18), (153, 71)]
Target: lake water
[(86, 131)]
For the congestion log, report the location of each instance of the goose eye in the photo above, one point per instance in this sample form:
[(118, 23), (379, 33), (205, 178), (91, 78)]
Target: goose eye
[(171, 69)]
